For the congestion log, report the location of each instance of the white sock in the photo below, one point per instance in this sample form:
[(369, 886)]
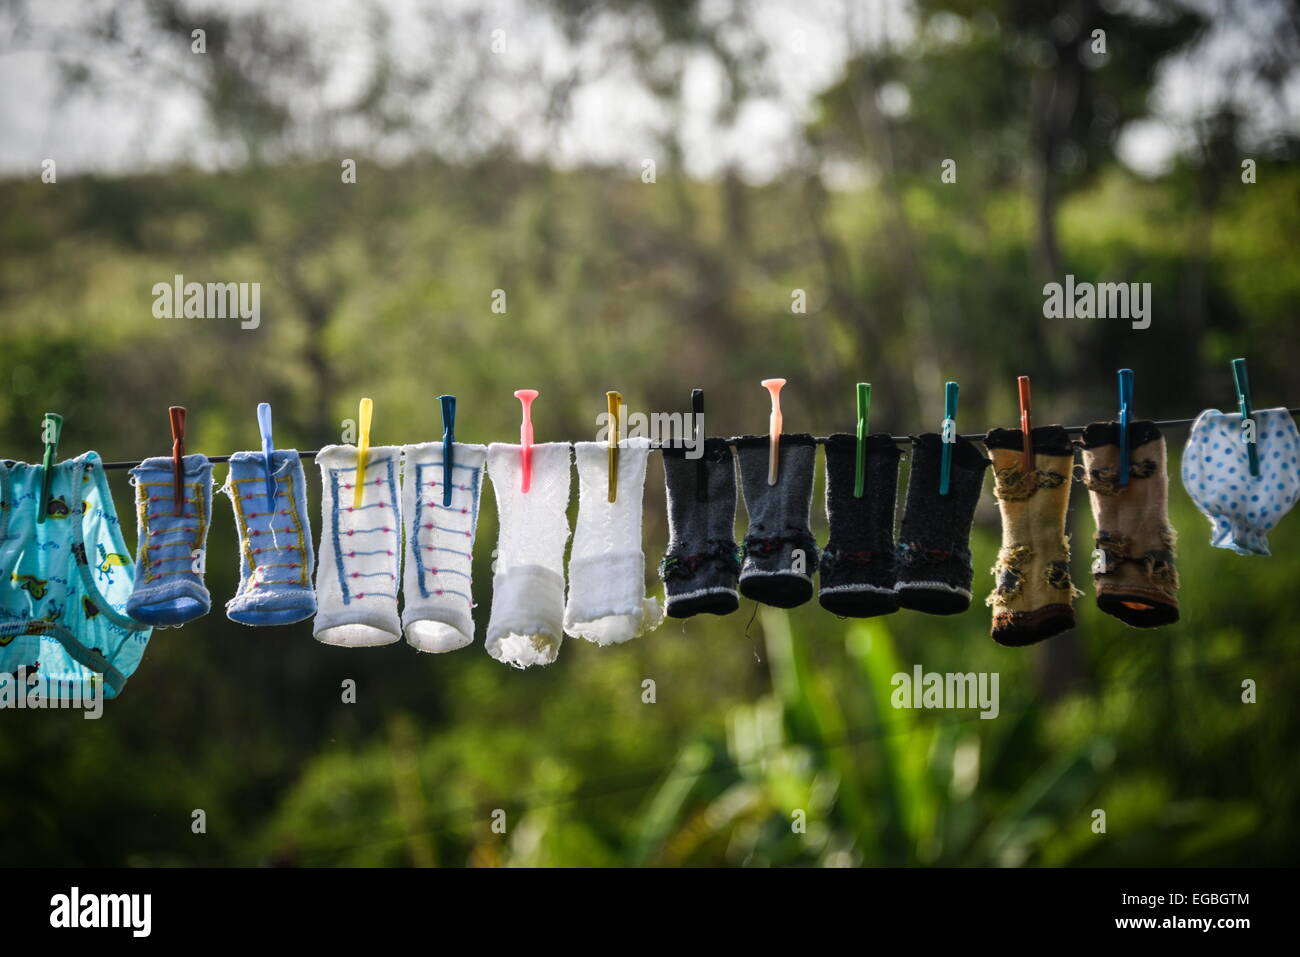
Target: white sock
[(528, 585), (436, 596), (360, 550), (607, 602)]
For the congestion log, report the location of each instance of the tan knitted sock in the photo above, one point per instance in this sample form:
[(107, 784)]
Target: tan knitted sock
[(1133, 566), (1033, 596)]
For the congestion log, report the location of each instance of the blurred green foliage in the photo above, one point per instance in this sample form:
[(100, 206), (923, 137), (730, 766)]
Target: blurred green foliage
[(384, 288)]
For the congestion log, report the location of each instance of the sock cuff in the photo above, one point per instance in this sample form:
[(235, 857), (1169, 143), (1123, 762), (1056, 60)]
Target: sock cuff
[(1047, 440)]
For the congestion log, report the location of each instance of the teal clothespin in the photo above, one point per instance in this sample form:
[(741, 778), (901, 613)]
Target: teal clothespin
[(1125, 377), (51, 427), (448, 440), (950, 391), (864, 412), (1242, 381), (264, 426)]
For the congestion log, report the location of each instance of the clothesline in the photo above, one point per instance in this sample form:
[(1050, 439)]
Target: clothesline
[(820, 440)]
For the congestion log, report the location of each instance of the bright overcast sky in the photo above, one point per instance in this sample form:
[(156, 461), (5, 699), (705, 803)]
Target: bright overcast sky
[(141, 123)]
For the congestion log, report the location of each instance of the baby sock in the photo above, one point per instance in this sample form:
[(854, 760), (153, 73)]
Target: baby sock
[(1133, 565), (607, 602), (1242, 508), (780, 552), (437, 612), (1033, 596), (528, 585), (168, 590), (700, 567), (360, 549), (858, 563), (934, 567), (276, 559)]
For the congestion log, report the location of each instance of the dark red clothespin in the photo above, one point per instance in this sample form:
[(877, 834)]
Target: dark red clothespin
[(177, 414), (1027, 427)]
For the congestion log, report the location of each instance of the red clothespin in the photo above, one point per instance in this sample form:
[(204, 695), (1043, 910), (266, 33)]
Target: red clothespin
[(177, 415), (526, 397), (1027, 427)]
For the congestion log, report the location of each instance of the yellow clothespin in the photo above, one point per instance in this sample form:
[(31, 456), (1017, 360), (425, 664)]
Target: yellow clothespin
[(615, 401), (365, 413)]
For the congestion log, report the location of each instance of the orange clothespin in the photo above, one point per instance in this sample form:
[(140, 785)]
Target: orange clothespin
[(526, 397), (177, 415), (1027, 427)]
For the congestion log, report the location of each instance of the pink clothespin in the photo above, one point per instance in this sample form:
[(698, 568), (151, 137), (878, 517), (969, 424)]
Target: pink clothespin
[(774, 427), (526, 397)]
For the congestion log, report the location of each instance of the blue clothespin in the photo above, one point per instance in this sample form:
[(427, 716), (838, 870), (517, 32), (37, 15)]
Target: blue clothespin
[(1242, 381), (448, 438), (1125, 377), (264, 425), (51, 426), (949, 435)]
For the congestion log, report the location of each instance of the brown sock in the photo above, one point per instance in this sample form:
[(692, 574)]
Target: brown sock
[(1033, 596), (1133, 566)]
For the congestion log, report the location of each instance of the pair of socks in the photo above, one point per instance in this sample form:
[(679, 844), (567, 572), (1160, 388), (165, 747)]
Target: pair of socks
[(276, 557), (1133, 563), (704, 571), (607, 602), (1033, 595), (169, 588), (361, 559), (934, 559), (859, 565)]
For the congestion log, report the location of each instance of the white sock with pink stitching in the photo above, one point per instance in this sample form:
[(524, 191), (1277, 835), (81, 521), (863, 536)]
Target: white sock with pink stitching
[(360, 549)]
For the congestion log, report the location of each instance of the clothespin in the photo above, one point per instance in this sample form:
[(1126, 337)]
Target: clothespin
[(365, 412), (615, 401), (1125, 378), (860, 464), (773, 428), (1027, 427), (949, 435), (264, 424), (526, 397), (177, 415), (448, 440), (1242, 381), (51, 428), (701, 476)]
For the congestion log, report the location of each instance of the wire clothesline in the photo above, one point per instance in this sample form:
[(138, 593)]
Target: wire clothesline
[(820, 440)]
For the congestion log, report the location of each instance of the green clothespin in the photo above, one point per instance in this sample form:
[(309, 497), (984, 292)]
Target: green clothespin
[(1242, 381), (51, 427), (949, 435), (864, 411)]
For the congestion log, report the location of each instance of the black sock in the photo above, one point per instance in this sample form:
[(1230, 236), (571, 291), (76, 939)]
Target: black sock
[(858, 564), (934, 567), (780, 552), (700, 567)]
